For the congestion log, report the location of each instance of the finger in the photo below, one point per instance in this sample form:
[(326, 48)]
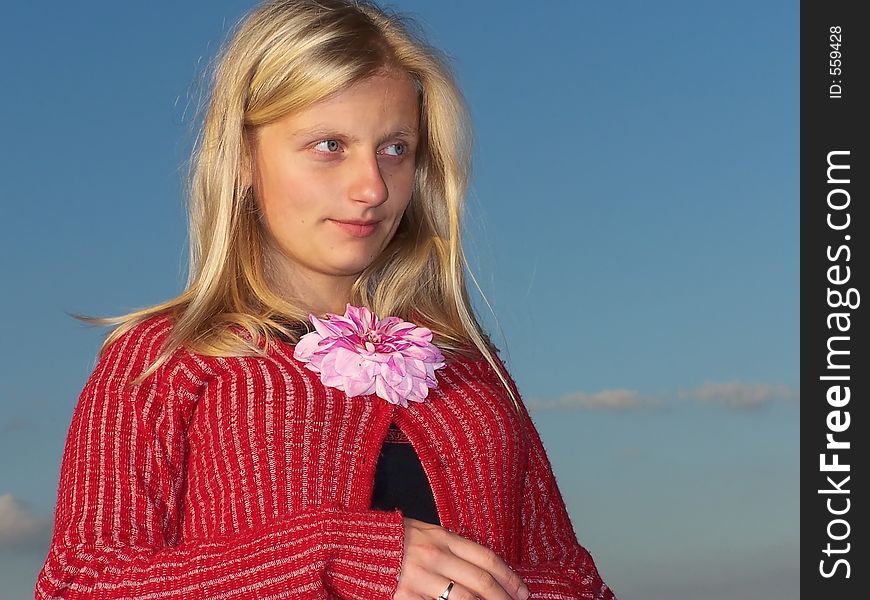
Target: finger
[(489, 562), (470, 577), (430, 585)]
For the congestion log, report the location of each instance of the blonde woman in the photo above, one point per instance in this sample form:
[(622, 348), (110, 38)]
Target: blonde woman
[(319, 414)]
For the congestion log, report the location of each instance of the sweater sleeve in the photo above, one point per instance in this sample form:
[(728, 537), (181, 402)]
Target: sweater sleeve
[(553, 564), (119, 514)]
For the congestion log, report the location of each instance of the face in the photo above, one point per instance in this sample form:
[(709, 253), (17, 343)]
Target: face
[(333, 181)]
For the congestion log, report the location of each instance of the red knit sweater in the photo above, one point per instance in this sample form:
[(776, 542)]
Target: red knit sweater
[(247, 478)]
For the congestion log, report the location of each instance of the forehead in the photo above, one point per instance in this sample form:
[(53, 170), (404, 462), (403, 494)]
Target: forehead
[(387, 100)]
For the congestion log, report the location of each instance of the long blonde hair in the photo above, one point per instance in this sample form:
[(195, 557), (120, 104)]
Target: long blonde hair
[(284, 56)]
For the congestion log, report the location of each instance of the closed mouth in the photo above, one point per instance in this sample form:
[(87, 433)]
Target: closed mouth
[(355, 222)]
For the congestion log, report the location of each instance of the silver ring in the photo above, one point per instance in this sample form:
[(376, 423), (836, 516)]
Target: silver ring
[(446, 592)]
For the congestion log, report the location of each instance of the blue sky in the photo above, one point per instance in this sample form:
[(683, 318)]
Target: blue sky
[(633, 220)]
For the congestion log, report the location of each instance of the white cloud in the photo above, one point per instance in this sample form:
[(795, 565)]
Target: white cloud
[(612, 400), (738, 394), (19, 527)]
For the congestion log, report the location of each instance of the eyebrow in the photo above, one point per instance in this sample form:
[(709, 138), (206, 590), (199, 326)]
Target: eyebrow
[(324, 131)]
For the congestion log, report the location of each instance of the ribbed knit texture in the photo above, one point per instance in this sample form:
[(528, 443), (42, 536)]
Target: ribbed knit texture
[(247, 478)]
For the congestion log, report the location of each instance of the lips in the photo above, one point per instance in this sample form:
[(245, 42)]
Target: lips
[(357, 228), (356, 221)]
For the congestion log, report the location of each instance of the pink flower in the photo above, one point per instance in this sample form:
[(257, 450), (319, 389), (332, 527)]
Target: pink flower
[(361, 354)]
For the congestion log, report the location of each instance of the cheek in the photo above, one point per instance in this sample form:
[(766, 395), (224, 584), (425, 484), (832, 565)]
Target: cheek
[(290, 200), (401, 188)]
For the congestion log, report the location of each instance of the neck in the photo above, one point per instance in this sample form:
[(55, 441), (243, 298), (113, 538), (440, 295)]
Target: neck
[(323, 294), (317, 293)]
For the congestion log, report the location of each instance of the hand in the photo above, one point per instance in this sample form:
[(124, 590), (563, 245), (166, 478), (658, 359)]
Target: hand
[(434, 556)]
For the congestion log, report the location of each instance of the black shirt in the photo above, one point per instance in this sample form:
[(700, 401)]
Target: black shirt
[(401, 482)]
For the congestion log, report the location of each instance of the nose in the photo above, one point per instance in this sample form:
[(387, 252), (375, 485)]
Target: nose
[(367, 185)]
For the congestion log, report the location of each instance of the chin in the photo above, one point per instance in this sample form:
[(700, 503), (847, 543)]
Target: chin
[(349, 269), (352, 263)]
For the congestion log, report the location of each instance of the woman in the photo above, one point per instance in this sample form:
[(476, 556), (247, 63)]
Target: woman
[(319, 413)]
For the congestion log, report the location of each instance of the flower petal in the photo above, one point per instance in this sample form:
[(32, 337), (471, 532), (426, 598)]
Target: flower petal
[(360, 354), (324, 327), (347, 363)]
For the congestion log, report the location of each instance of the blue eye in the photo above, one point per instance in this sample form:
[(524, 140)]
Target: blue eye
[(333, 145), (402, 145)]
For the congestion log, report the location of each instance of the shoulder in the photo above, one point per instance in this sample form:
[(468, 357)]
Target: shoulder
[(477, 368), (151, 331), (133, 355), (474, 360), (128, 385), (141, 341)]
